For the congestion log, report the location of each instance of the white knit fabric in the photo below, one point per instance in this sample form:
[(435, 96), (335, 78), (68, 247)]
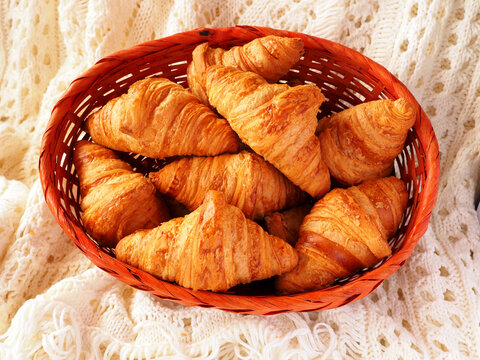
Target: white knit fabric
[(55, 304)]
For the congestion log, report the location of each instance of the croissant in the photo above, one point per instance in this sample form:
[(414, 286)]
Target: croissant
[(213, 248), (115, 200), (362, 142), (347, 230), (286, 224), (270, 57), (276, 121), (247, 181), (158, 118)]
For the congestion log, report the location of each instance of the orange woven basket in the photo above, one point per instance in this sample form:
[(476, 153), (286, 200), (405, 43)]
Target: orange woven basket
[(346, 78)]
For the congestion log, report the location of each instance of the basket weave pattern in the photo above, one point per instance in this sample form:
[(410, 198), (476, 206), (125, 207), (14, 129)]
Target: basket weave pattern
[(346, 78)]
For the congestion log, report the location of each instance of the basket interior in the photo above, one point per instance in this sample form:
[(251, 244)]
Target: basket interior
[(342, 83)]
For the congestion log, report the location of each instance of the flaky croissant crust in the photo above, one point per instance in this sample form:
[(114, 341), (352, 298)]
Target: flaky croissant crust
[(362, 142), (115, 200), (276, 121), (347, 230), (270, 57), (247, 181), (158, 118), (213, 248)]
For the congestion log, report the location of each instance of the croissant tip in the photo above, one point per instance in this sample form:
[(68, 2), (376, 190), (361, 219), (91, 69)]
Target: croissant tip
[(81, 143), (392, 180), (91, 122), (399, 185), (404, 107), (202, 47), (396, 181), (86, 146), (295, 44), (298, 44)]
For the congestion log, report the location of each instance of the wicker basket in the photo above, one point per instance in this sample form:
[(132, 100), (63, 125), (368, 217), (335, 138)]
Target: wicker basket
[(346, 78)]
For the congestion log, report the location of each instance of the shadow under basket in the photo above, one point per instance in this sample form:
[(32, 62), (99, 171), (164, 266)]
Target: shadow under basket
[(345, 77)]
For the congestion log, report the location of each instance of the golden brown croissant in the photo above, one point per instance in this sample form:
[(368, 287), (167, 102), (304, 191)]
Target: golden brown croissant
[(158, 118), (115, 200), (213, 248), (286, 224), (347, 230), (362, 142), (276, 121), (247, 181), (270, 57)]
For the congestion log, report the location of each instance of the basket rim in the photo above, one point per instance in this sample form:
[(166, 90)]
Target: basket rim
[(423, 127)]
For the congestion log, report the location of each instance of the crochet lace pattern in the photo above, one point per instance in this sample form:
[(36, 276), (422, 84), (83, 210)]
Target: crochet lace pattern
[(55, 304)]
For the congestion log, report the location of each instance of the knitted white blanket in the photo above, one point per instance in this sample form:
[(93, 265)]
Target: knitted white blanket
[(55, 304)]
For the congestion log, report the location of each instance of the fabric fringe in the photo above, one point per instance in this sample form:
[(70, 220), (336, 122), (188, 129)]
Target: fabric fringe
[(58, 332)]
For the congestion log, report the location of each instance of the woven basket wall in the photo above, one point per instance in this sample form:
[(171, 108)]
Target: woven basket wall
[(346, 78)]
